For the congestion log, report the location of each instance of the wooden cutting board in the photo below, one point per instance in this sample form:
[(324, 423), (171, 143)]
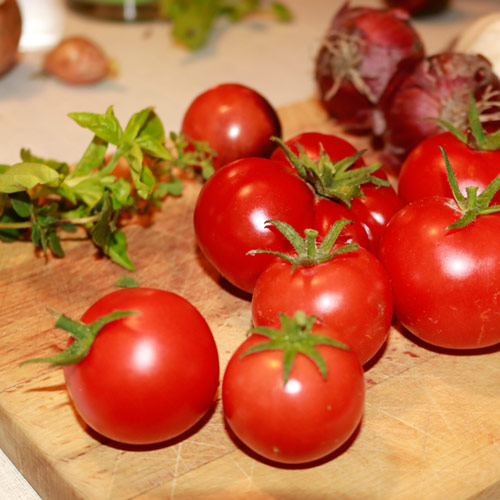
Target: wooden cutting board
[(431, 429)]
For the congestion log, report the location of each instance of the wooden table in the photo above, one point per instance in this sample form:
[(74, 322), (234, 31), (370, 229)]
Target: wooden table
[(432, 422)]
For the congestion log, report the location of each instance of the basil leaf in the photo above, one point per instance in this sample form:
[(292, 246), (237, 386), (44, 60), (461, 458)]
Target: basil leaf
[(135, 124), (104, 126), (93, 157), (117, 250), (23, 176)]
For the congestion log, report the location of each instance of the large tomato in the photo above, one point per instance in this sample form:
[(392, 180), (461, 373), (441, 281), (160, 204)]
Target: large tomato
[(300, 420), (424, 174), (231, 213), (446, 282), (377, 204), (150, 376), (235, 120), (350, 293)]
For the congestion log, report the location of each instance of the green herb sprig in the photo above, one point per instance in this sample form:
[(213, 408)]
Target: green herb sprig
[(40, 198), (194, 20)]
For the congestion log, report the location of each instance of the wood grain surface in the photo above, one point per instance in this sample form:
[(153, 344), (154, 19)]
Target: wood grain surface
[(431, 428)]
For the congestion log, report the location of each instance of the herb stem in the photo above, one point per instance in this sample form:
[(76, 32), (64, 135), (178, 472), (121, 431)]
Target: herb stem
[(28, 224)]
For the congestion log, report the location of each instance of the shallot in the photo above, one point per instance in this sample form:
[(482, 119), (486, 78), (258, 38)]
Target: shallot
[(361, 50), (77, 60)]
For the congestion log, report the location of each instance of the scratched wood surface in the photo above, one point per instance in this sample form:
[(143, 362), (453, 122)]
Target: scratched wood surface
[(431, 428)]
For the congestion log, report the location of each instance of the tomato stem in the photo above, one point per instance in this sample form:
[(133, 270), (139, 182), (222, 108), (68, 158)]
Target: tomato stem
[(83, 334), (294, 336), (307, 250), (339, 180)]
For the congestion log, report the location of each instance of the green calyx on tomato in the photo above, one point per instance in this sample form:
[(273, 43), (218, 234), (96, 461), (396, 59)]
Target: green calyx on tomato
[(83, 334), (293, 337), (308, 252), (475, 137), (473, 204), (336, 180)]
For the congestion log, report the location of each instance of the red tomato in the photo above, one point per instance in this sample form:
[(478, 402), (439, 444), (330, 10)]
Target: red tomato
[(303, 420), (350, 293), (423, 173), (235, 120), (147, 377), (377, 206), (326, 212), (231, 213), (446, 282)]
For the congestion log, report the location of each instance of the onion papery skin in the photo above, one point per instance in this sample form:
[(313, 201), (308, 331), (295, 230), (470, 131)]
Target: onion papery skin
[(438, 87), (362, 49), (419, 7)]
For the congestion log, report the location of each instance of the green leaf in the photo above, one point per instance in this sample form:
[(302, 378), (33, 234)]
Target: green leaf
[(134, 156), (154, 147), (153, 128), (93, 157), (281, 11), (193, 22), (126, 282), (117, 250), (54, 243), (120, 191), (28, 157), (21, 204), (23, 176), (101, 230), (104, 126), (90, 190), (136, 123)]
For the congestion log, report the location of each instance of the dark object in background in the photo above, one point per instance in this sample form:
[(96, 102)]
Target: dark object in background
[(420, 7)]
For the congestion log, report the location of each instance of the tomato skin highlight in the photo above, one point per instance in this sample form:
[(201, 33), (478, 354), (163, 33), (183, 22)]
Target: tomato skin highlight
[(350, 293), (302, 421), (231, 211), (423, 173), (148, 377), (235, 120), (446, 283)]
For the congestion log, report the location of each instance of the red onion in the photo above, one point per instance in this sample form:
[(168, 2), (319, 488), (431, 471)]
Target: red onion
[(419, 7), (362, 49), (438, 87)]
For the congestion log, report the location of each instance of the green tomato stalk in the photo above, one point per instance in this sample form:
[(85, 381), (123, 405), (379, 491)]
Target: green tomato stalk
[(294, 336)]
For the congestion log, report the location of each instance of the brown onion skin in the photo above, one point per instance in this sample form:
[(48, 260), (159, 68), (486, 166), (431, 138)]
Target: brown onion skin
[(10, 34), (419, 7), (77, 60), (387, 42), (438, 84)]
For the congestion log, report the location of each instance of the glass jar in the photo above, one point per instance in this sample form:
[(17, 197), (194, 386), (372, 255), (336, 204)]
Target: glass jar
[(119, 10)]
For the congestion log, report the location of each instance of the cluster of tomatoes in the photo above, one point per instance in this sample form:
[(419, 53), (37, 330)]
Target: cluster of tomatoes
[(312, 228), (328, 254)]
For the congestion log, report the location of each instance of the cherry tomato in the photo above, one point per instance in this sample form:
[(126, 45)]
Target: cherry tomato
[(378, 204), (231, 213), (350, 293), (235, 120), (299, 421), (326, 212), (147, 377), (423, 172), (446, 282)]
